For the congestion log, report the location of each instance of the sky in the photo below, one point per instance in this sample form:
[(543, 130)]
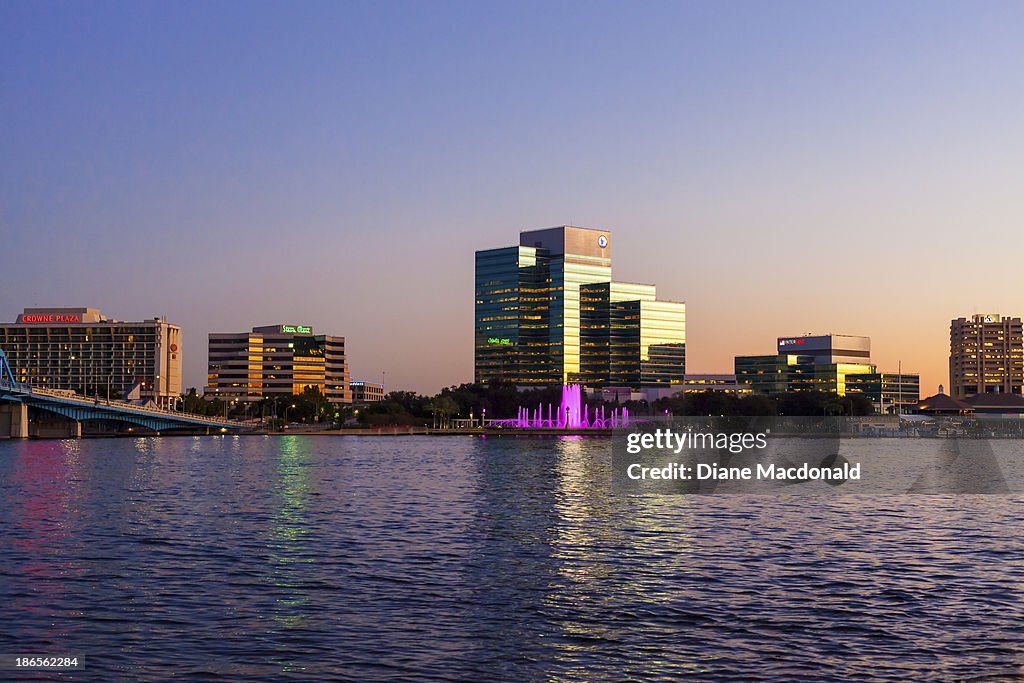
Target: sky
[(785, 167)]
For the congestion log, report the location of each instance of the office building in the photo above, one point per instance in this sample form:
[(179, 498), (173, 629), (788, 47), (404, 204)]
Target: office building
[(366, 392), (986, 355), (807, 363), (81, 350), (828, 349), (277, 361), (630, 339), (534, 301), (890, 392)]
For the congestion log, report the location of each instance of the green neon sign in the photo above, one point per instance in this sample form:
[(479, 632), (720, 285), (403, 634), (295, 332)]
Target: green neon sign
[(296, 329), (503, 341)]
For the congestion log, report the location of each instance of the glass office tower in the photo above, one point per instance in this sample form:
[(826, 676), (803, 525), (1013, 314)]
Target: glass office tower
[(530, 309), (629, 338)]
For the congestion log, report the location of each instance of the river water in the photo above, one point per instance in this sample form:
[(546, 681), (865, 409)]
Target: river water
[(462, 558)]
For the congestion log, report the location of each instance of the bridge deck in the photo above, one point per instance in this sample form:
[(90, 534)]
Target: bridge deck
[(83, 407)]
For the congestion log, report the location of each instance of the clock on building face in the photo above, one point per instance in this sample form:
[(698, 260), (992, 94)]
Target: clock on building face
[(602, 241)]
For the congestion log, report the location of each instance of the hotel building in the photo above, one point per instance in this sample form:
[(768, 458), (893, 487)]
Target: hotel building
[(986, 355), (547, 312), (277, 361), (81, 350)]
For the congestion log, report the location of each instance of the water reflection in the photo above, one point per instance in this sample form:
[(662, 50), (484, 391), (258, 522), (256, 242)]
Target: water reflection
[(269, 558), (41, 494), (289, 528)]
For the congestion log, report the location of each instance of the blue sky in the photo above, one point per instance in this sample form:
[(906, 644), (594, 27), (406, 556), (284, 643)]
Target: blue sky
[(783, 167)]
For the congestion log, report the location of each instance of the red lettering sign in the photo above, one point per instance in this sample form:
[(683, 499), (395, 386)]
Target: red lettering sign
[(51, 318)]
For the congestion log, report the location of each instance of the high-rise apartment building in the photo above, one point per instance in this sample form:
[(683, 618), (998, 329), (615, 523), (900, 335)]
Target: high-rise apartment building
[(79, 349), (534, 301), (277, 361), (986, 355)]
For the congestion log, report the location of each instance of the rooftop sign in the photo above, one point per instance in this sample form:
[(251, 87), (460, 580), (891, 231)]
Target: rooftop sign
[(36, 318), (296, 329)]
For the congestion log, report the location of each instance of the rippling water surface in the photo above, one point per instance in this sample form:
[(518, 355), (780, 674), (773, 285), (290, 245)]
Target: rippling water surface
[(458, 558)]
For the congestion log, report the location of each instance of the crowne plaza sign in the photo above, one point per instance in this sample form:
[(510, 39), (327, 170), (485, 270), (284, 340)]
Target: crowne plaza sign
[(36, 318)]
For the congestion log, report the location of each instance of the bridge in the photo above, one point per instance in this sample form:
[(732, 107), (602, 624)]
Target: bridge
[(17, 398)]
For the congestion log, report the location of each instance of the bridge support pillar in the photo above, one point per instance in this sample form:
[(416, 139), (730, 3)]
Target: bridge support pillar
[(57, 429), (14, 420)]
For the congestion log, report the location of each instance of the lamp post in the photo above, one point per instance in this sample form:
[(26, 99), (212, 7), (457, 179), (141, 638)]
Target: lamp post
[(483, 418)]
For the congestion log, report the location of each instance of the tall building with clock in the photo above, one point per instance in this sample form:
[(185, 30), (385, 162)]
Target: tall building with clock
[(986, 355), (547, 312)]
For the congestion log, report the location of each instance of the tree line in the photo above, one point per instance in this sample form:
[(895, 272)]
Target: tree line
[(502, 400)]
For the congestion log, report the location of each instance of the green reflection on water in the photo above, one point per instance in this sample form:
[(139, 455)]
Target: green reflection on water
[(289, 528)]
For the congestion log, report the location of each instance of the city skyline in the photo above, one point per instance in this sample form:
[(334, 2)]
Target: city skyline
[(819, 170)]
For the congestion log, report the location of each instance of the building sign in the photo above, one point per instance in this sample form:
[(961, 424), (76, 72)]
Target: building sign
[(51, 318), (789, 342), (504, 341), (602, 241), (296, 329)]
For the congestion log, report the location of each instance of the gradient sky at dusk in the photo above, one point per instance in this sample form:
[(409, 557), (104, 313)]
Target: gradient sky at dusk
[(783, 167)]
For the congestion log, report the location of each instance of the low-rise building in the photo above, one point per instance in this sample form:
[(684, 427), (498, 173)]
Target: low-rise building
[(890, 392), (366, 392)]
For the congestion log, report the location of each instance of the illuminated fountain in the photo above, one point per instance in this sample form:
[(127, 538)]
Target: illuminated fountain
[(572, 414)]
